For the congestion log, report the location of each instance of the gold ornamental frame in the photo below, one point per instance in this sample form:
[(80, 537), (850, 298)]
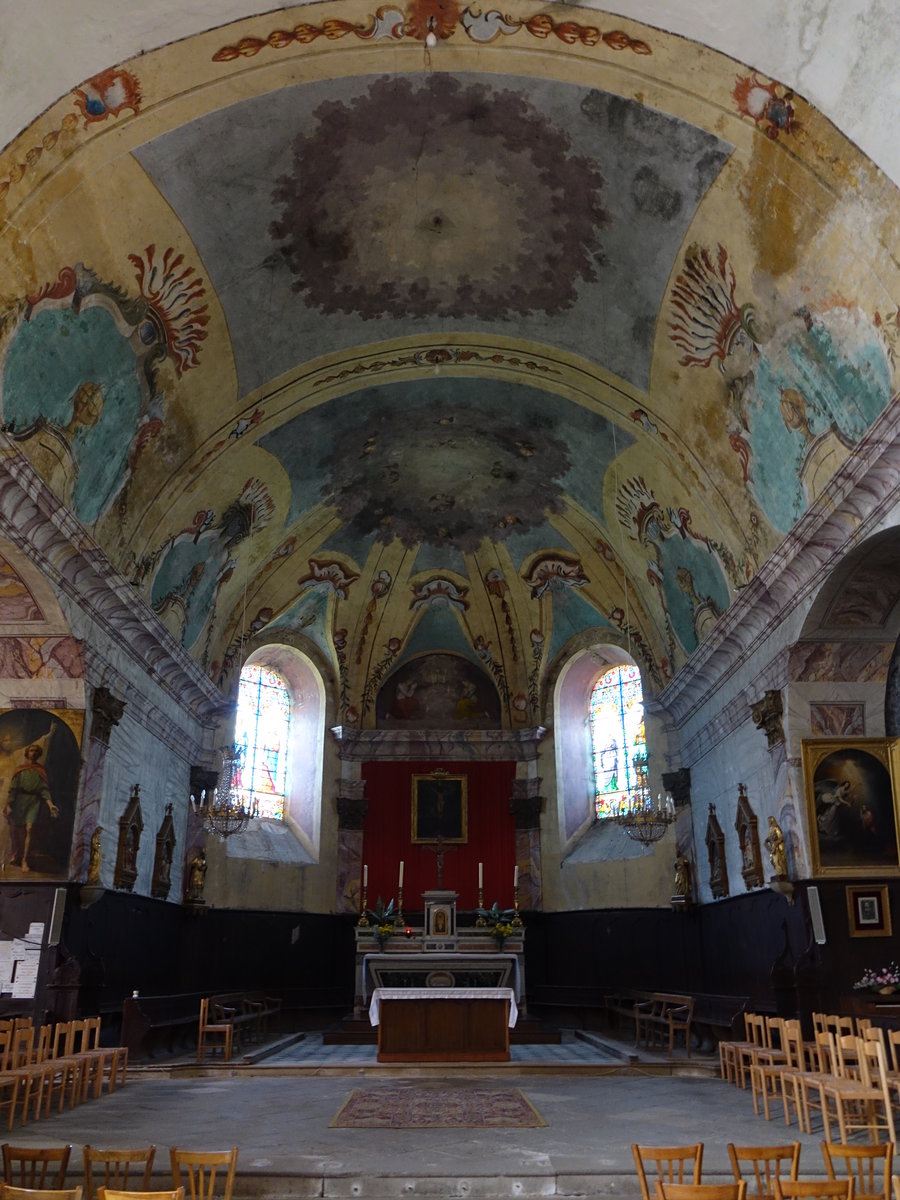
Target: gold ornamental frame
[(851, 804)]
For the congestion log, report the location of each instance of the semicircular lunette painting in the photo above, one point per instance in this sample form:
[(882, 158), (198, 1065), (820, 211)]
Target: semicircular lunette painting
[(438, 691)]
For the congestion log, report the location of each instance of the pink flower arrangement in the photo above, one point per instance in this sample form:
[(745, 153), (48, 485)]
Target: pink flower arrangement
[(874, 978)]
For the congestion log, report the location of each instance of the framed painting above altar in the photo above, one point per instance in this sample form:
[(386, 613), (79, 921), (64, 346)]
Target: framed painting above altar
[(439, 808)]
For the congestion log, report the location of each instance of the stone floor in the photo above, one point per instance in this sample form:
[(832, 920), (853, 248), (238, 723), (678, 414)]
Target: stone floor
[(279, 1110)]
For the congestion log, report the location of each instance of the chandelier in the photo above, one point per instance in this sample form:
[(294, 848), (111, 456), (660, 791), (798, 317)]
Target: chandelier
[(643, 818), (222, 811)]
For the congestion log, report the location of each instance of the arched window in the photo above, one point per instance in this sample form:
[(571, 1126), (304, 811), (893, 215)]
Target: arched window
[(617, 736), (263, 735)]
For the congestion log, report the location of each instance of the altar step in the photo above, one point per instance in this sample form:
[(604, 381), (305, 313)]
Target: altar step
[(357, 1031)]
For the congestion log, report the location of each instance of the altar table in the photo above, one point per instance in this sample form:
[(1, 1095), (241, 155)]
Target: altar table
[(443, 1024)]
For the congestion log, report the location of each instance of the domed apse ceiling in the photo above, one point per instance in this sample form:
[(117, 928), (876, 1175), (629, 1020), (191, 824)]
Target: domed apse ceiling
[(492, 350)]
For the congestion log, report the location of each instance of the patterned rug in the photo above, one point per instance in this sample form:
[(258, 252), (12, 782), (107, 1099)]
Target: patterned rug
[(437, 1108)]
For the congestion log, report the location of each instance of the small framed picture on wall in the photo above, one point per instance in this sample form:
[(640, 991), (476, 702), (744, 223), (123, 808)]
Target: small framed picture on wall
[(869, 911)]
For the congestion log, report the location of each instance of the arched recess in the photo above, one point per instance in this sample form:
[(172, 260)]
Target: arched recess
[(843, 669), (296, 839), (41, 664), (574, 760)]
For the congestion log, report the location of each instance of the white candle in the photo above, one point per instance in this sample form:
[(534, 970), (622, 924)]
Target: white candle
[(480, 875), (400, 880), (366, 875), (516, 875)]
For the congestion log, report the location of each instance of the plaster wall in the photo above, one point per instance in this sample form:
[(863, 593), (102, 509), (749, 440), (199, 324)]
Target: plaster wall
[(839, 54)]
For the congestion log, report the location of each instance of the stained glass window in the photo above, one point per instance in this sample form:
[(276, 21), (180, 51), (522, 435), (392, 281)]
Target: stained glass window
[(617, 736), (263, 732)]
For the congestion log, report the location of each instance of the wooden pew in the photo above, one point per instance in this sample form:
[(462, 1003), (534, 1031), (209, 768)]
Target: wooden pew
[(160, 1024), (661, 1017)]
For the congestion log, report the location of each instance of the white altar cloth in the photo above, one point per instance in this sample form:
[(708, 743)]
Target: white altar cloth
[(442, 994)]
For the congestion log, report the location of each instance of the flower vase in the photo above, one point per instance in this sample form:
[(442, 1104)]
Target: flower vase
[(887, 990)]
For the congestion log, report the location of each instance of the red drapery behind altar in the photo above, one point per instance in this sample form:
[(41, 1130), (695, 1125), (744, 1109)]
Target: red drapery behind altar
[(491, 835)]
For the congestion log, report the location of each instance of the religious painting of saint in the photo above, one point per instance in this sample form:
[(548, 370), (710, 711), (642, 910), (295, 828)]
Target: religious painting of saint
[(439, 809), (39, 769), (850, 796)]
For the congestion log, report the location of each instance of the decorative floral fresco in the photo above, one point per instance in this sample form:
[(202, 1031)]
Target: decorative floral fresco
[(445, 362), (409, 138)]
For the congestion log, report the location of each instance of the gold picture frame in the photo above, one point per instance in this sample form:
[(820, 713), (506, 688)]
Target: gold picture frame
[(869, 910), (851, 804), (440, 809)]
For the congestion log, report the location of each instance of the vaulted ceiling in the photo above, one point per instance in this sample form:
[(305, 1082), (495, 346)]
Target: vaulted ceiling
[(549, 332)]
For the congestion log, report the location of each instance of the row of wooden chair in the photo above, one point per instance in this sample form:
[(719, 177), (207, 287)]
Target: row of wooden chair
[(55, 1064), (851, 1078), (857, 1172), (42, 1172)]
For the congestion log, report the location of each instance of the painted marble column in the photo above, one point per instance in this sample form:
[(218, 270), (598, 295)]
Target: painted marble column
[(526, 805), (106, 712), (351, 809)]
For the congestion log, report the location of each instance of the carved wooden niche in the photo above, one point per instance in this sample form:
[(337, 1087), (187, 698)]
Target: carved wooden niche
[(131, 825), (746, 825), (715, 845), (165, 853)]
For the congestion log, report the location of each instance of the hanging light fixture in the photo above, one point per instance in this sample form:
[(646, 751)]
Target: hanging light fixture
[(644, 819), (222, 810)]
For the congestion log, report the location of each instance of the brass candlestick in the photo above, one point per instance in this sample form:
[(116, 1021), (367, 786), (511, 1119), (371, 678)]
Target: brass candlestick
[(399, 919), (517, 920), (363, 919), (481, 922)]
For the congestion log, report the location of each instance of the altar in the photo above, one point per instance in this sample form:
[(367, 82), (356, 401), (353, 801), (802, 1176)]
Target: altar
[(443, 1024), (439, 955)]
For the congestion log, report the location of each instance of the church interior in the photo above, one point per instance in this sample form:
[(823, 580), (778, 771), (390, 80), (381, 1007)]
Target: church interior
[(572, 361)]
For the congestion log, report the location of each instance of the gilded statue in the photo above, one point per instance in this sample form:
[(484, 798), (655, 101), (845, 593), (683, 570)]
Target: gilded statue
[(776, 848), (93, 875), (682, 875), (196, 877)]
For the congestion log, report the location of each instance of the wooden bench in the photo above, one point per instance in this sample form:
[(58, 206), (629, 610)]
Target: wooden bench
[(248, 1014), (154, 1025), (718, 1018), (660, 1017)]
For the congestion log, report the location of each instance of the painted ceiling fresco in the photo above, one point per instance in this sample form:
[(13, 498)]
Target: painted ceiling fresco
[(544, 336)]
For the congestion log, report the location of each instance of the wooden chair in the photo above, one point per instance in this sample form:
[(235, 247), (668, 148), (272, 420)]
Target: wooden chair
[(104, 1193), (701, 1191), (766, 1070), (731, 1061), (9, 1192), (115, 1065), (760, 1166), (65, 1070), (211, 1030), (200, 1168), (32, 1167), (868, 1166), (813, 1189), (670, 1164), (117, 1167), (895, 1180), (26, 1073), (801, 1088), (861, 1103)]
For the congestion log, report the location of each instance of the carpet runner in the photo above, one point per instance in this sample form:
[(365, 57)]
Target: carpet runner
[(437, 1108)]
